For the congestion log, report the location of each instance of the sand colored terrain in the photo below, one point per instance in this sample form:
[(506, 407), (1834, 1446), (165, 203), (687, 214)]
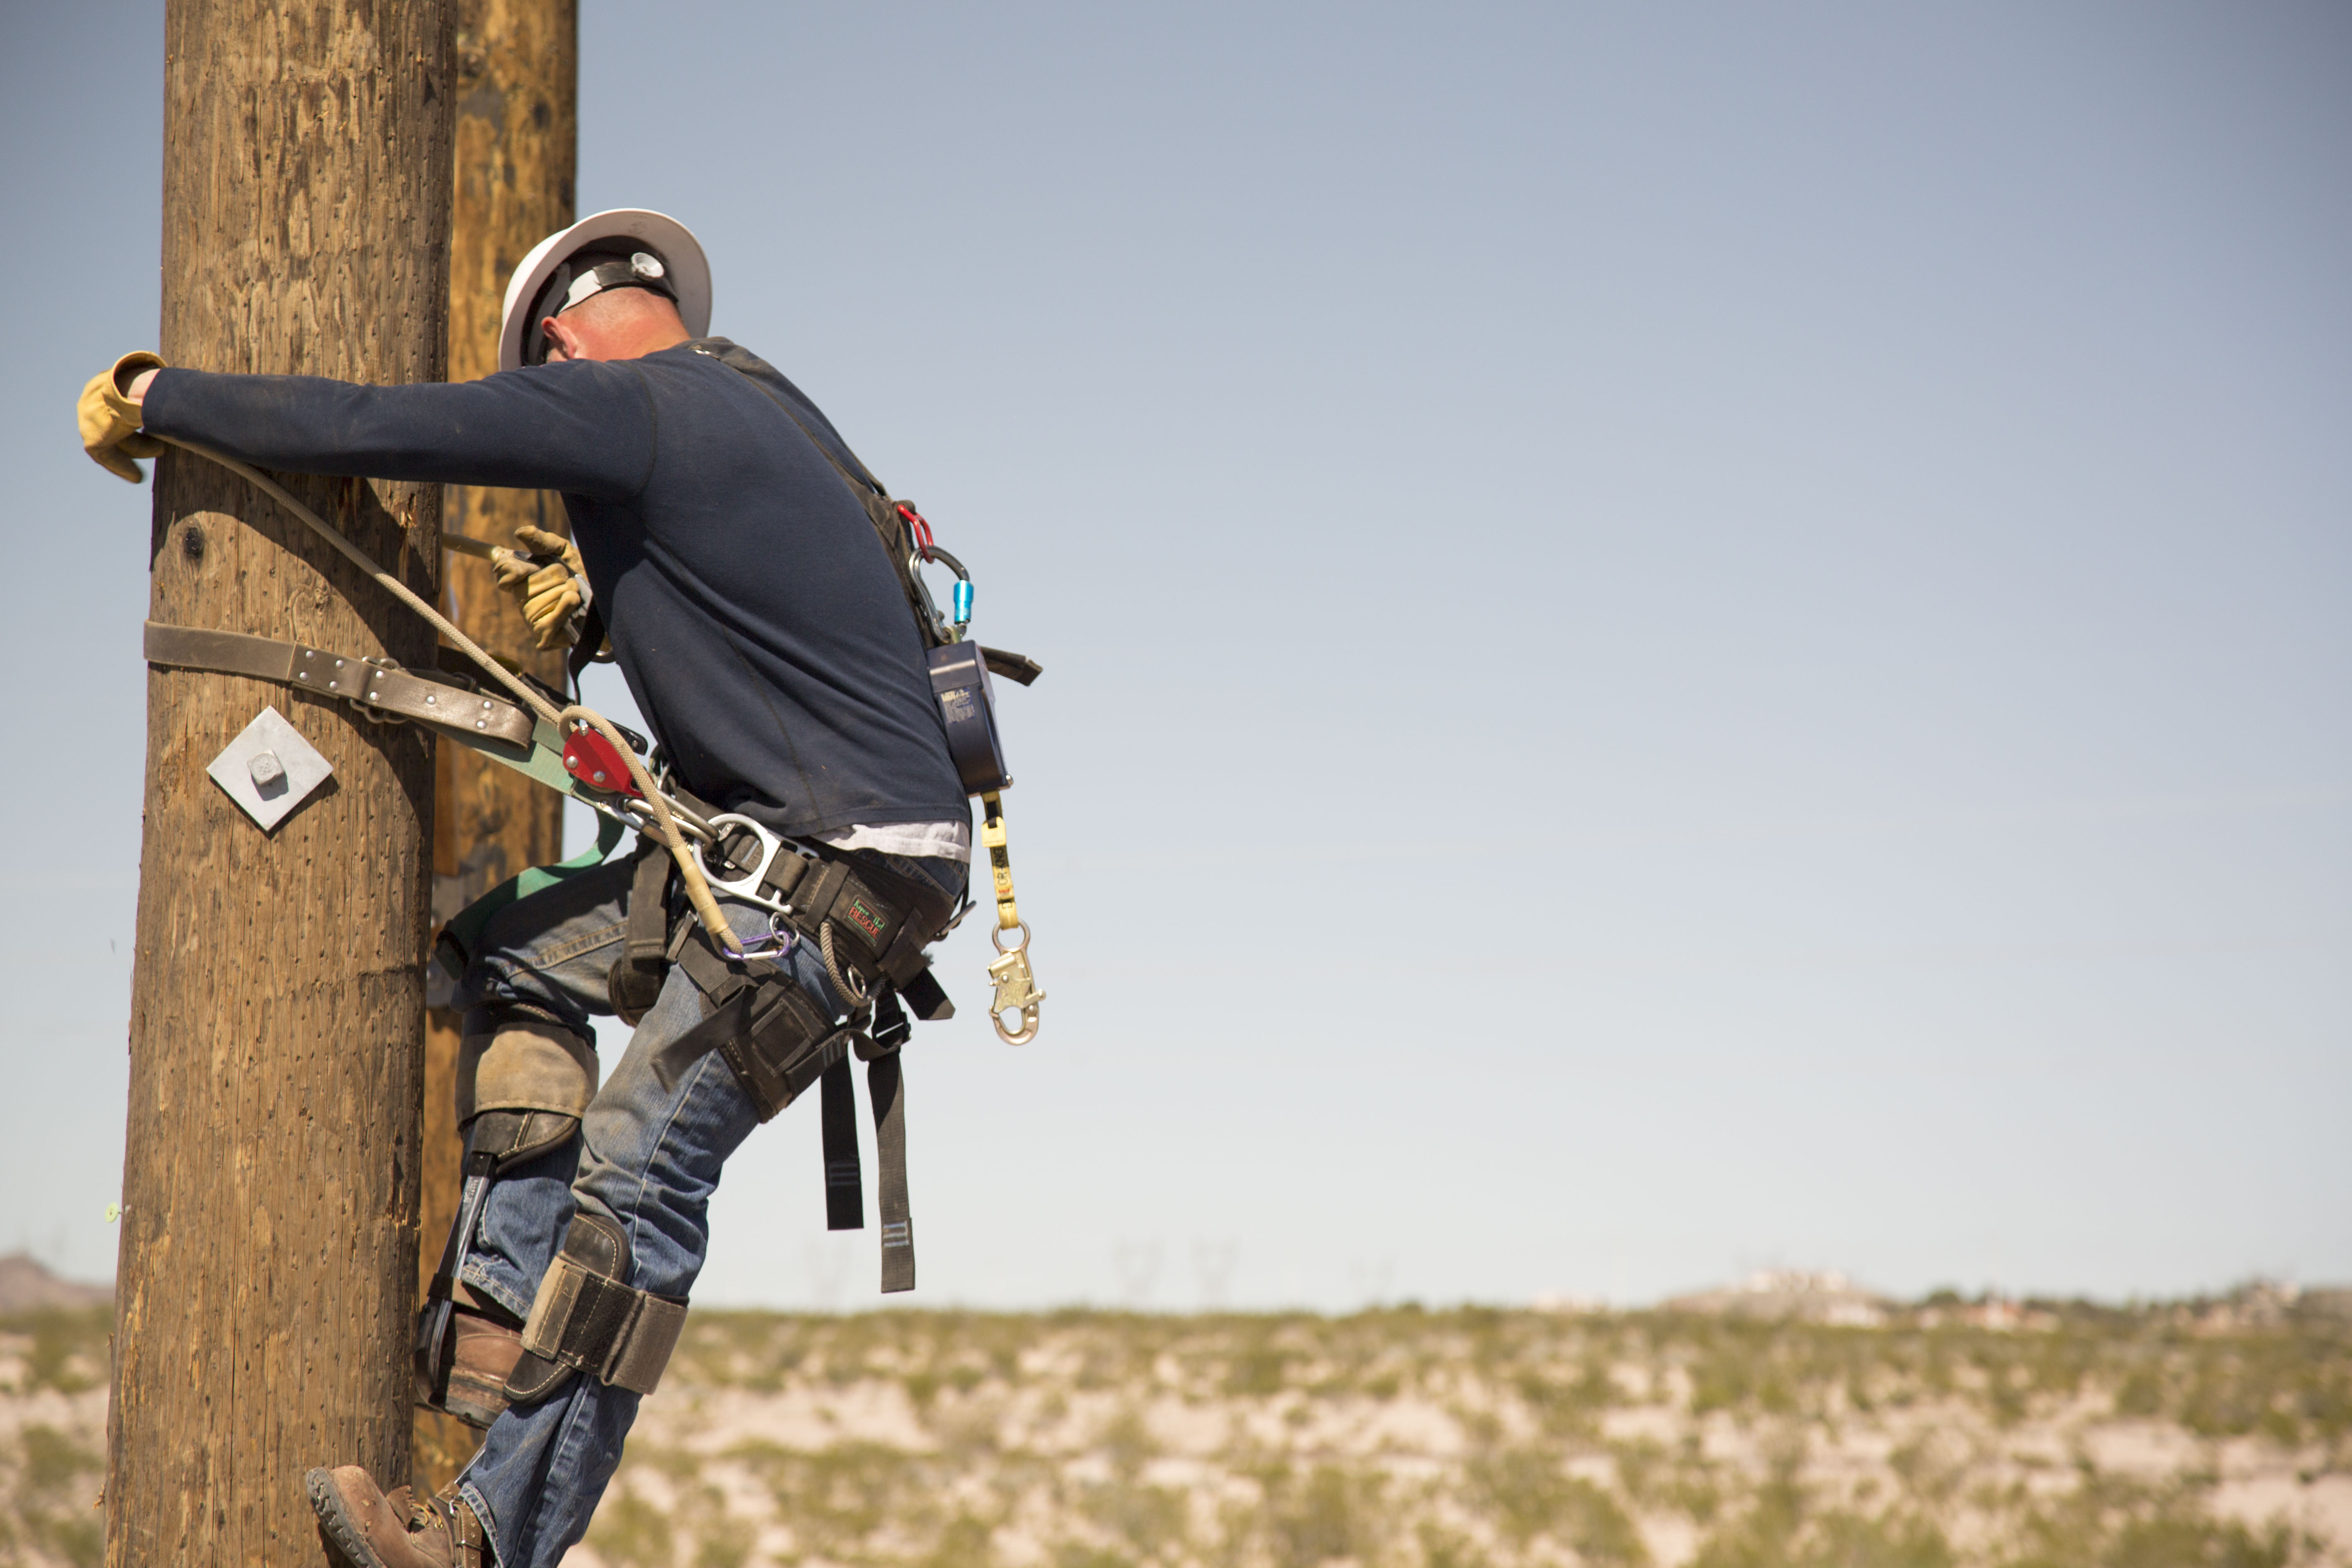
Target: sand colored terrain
[(1449, 1439), (2200, 1437)]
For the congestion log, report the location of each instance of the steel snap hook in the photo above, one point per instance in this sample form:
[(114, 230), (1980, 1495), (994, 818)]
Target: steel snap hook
[(1016, 987)]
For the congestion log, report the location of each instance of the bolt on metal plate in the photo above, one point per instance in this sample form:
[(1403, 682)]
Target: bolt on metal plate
[(269, 769)]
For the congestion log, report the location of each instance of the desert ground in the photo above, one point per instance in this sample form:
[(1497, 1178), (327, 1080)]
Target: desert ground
[(1735, 1430)]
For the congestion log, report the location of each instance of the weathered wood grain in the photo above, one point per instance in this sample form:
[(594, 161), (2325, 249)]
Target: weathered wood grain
[(267, 1258), (517, 151)]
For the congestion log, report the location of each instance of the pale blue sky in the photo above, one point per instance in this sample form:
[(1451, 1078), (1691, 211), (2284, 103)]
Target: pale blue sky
[(1678, 637)]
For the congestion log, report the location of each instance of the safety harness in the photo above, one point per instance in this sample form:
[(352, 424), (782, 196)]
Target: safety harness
[(959, 672), (871, 928)]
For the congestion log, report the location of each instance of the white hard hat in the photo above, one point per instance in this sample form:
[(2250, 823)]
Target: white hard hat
[(676, 260)]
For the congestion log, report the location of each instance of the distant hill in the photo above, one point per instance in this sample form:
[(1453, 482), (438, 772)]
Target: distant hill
[(1789, 1295), (26, 1284)]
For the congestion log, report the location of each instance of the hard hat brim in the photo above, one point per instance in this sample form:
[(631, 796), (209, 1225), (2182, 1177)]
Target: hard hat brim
[(689, 271)]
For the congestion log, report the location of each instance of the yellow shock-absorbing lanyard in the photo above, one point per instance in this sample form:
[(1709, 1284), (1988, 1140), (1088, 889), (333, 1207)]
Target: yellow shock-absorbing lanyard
[(1016, 987)]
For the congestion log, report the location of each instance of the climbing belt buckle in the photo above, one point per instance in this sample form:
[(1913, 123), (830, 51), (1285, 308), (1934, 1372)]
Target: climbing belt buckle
[(1016, 987), (359, 699)]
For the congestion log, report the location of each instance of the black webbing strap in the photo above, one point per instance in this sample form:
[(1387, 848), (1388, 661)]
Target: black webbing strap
[(884, 919), (887, 1085), (845, 1183), (634, 983), (845, 1194), (726, 986), (648, 926), (887, 920), (721, 983)]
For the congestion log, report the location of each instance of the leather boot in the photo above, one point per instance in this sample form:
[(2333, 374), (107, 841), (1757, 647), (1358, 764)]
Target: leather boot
[(374, 1529), (485, 1342), (487, 1346)]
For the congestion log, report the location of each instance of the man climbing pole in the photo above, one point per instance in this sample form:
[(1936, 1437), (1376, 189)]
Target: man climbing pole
[(727, 556)]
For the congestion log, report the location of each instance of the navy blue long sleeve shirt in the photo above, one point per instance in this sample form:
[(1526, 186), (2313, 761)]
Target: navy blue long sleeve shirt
[(753, 612)]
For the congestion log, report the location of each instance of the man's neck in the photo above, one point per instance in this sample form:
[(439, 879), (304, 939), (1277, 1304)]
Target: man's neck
[(642, 337)]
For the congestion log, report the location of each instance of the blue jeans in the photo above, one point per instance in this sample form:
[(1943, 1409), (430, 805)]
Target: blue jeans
[(648, 1157)]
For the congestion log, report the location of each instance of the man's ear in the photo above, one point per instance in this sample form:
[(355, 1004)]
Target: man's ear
[(561, 342)]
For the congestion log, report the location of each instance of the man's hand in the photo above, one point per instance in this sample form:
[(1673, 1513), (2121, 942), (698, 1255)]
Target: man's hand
[(109, 419), (552, 593)]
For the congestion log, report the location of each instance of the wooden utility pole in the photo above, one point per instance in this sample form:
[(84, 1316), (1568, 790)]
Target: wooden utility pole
[(517, 152), (267, 1258)]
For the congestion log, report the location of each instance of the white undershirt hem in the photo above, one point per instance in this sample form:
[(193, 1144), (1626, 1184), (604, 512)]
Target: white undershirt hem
[(943, 840)]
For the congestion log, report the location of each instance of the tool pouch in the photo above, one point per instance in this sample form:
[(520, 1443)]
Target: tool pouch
[(776, 1039)]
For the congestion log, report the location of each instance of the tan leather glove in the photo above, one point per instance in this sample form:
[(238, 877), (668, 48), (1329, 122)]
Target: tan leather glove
[(110, 420), (551, 595)]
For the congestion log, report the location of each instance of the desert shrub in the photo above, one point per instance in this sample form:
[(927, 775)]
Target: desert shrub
[(630, 1532), (1328, 1512), (1527, 1495), (68, 1349), (55, 1478), (2175, 1541), (1147, 1518), (835, 1497)]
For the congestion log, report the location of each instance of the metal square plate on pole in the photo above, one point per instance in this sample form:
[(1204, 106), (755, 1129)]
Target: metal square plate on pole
[(269, 769)]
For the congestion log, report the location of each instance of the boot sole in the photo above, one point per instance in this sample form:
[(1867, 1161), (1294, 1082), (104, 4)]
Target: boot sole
[(340, 1529)]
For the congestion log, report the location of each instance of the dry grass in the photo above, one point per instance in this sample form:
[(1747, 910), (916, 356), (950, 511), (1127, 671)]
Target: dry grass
[(53, 1437), (2164, 1437), (1487, 1439)]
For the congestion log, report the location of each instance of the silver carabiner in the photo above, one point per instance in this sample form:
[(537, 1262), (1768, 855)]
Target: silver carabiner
[(949, 631)]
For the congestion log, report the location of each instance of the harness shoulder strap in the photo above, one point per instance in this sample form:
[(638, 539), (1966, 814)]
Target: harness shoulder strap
[(880, 509)]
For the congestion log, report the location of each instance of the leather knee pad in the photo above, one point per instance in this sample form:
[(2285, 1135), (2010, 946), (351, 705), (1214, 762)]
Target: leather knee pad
[(521, 1090)]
